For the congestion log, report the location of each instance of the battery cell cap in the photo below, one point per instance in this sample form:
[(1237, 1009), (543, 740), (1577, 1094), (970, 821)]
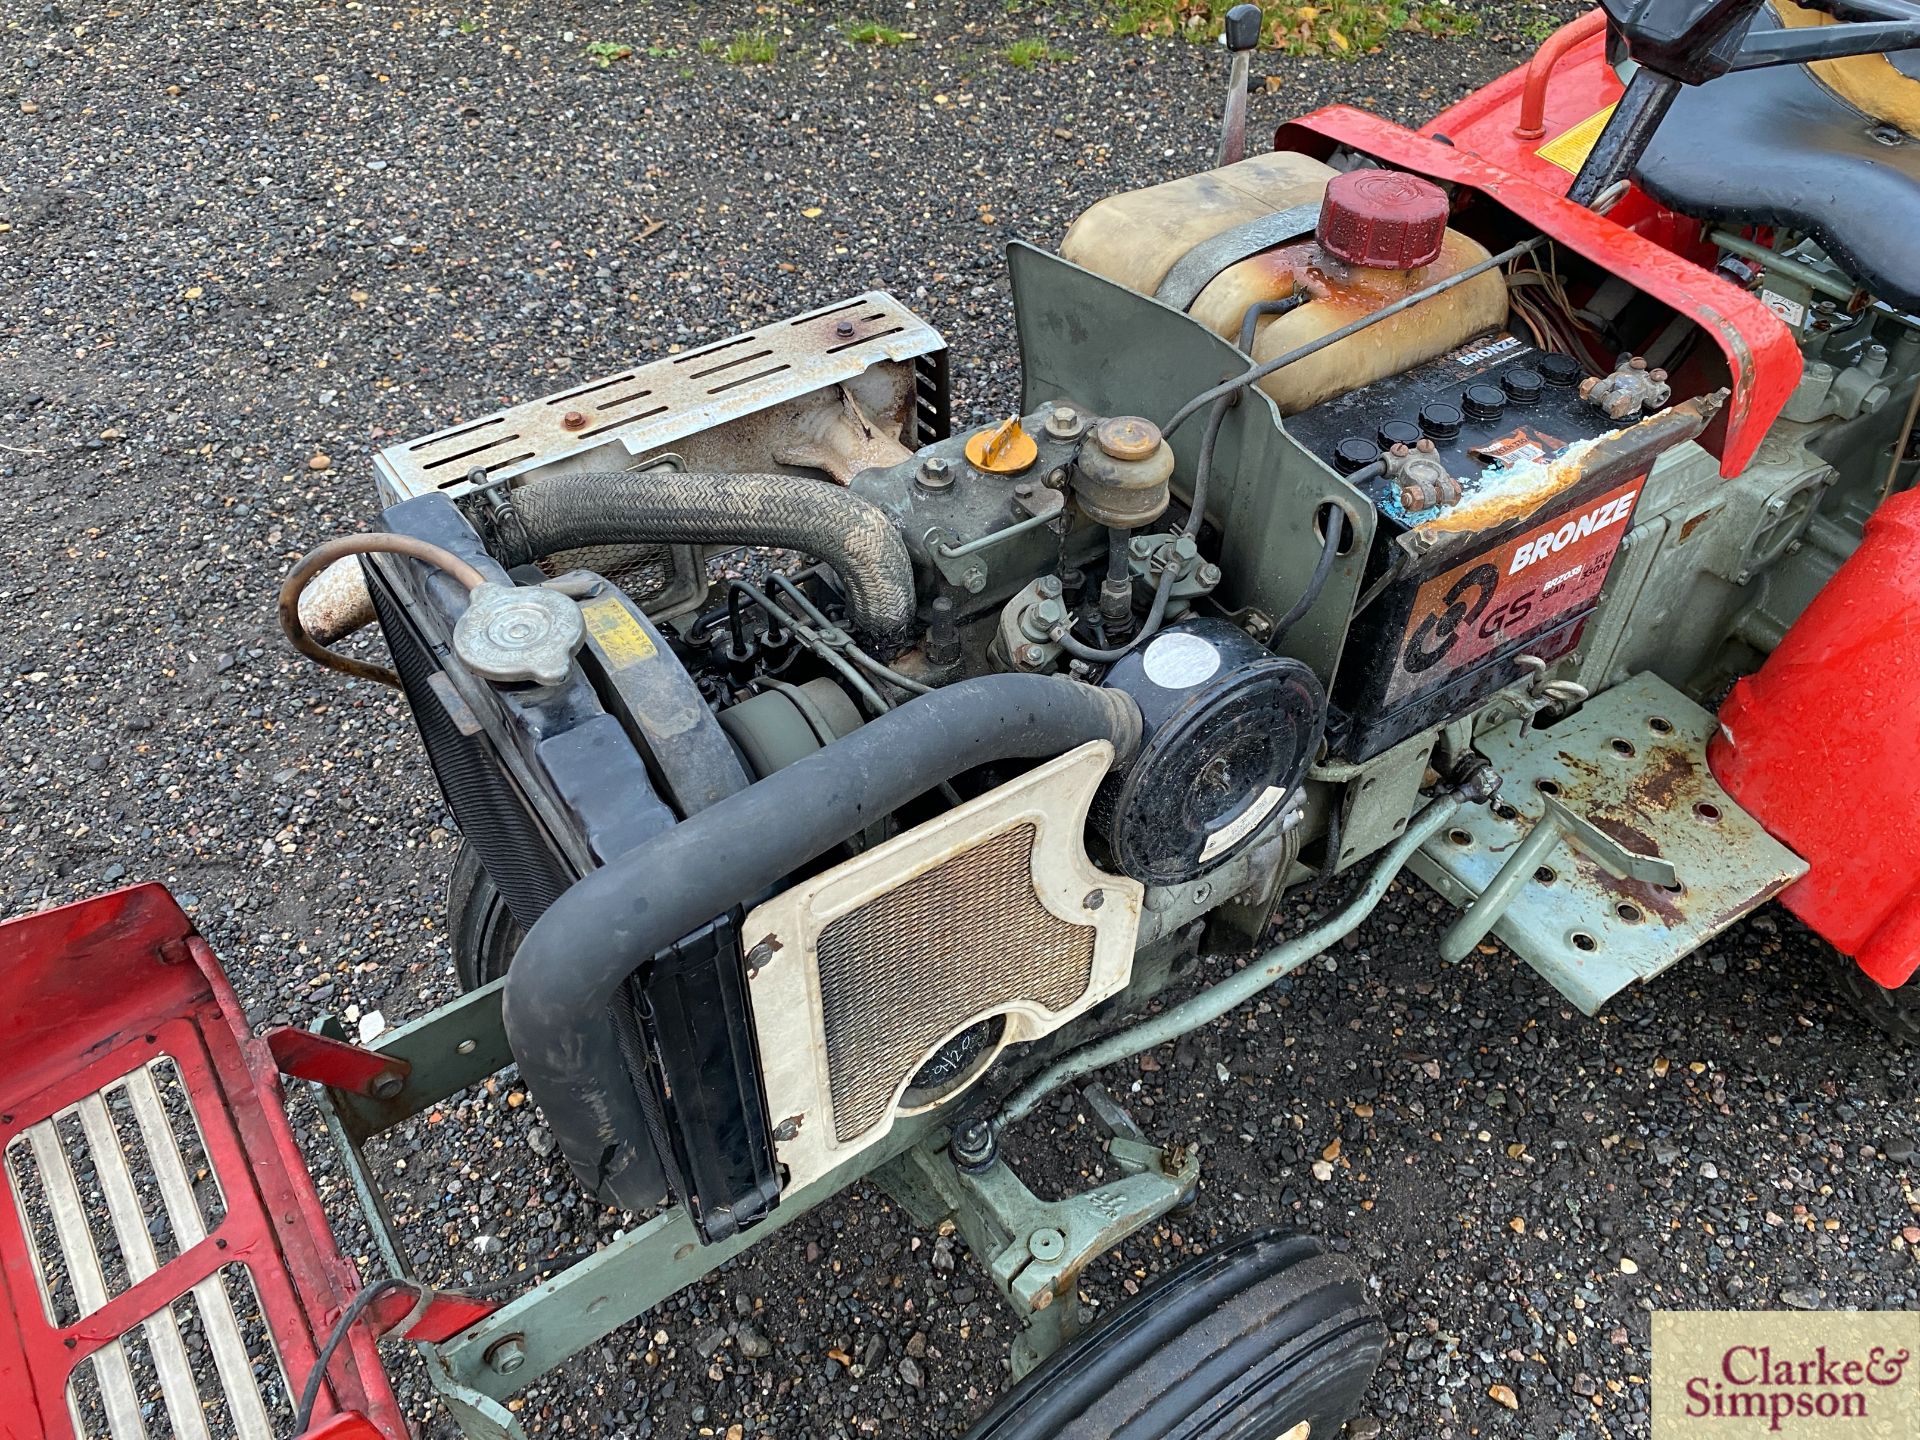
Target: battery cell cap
[(1485, 402), (1560, 370), (1356, 452), (1399, 432), (1440, 419), (1522, 384)]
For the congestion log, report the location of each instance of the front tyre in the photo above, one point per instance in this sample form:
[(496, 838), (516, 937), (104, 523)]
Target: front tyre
[(484, 932), (1267, 1338)]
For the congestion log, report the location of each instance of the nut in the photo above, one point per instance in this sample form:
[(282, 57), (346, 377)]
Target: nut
[(573, 420), (1064, 422), (935, 473)]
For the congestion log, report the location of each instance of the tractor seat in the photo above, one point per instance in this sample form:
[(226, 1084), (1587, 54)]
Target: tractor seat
[(1777, 147)]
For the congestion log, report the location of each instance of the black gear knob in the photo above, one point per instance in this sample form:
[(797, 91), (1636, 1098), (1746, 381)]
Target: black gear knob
[(1243, 27)]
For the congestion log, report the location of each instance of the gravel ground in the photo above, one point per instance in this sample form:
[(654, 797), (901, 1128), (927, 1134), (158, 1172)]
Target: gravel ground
[(239, 238)]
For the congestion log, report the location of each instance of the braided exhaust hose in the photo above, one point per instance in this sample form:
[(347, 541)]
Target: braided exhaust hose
[(785, 512)]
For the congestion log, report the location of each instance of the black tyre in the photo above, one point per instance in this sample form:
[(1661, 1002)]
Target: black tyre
[(1261, 1338), (1897, 1012), (484, 932)]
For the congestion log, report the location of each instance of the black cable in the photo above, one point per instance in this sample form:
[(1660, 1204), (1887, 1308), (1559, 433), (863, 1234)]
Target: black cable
[(310, 1395), (1336, 528), (1250, 322)]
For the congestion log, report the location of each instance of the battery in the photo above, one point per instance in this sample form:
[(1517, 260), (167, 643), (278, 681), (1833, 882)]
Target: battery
[(1457, 593)]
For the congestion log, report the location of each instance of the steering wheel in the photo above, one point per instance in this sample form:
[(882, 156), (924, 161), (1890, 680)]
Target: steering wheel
[(1689, 42)]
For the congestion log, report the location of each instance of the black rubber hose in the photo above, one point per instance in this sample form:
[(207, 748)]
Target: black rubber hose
[(612, 922), (786, 512)]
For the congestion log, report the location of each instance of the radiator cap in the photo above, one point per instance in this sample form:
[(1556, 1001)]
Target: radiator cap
[(523, 633)]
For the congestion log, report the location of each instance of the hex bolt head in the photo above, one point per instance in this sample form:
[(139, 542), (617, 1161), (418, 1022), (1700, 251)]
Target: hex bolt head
[(508, 1355), (1209, 575), (759, 957), (843, 329), (974, 578), (936, 473), (1048, 587), (573, 420), (1031, 655), (1063, 422)]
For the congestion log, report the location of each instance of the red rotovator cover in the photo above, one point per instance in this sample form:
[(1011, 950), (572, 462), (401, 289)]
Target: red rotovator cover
[(1822, 746)]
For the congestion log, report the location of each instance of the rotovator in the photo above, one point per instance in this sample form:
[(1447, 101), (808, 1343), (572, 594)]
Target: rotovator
[(1389, 499)]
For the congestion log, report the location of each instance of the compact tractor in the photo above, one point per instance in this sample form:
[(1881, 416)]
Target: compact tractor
[(1525, 501)]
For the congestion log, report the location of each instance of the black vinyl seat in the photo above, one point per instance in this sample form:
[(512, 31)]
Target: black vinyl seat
[(1775, 147)]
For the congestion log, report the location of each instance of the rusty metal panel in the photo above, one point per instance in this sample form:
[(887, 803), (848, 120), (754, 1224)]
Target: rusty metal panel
[(1632, 761), (655, 405)]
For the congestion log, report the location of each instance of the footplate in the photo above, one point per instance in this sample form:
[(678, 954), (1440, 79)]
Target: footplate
[(165, 1267), (1621, 853)]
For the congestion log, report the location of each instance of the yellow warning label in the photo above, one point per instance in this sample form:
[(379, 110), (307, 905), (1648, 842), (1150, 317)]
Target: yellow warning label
[(619, 636), (1570, 148)]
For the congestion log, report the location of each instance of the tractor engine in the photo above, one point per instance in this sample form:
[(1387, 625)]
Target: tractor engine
[(817, 765)]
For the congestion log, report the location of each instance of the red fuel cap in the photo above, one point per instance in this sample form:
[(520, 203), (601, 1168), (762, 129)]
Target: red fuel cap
[(1383, 219)]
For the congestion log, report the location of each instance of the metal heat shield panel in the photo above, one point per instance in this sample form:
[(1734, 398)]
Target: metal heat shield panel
[(993, 909)]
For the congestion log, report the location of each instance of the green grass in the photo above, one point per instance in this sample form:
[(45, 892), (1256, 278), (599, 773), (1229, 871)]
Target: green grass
[(872, 32), (604, 52), (1340, 27), (1536, 29), (751, 47), (1025, 54)]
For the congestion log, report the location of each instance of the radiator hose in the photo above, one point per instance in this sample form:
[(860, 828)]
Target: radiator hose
[(663, 507), (612, 922)]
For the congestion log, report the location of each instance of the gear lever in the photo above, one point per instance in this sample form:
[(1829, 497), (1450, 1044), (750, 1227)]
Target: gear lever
[(1242, 37)]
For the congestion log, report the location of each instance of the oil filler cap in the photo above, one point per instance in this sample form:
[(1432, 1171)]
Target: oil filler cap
[(1383, 219)]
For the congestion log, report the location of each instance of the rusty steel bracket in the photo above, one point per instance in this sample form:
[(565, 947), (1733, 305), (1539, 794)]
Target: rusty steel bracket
[(305, 1055), (1034, 1249)]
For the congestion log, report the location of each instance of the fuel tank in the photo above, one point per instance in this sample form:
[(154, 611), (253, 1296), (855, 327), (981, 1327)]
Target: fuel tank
[(1137, 239), (1822, 746)]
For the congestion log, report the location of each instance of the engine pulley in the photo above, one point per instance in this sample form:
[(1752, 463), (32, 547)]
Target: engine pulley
[(1229, 731)]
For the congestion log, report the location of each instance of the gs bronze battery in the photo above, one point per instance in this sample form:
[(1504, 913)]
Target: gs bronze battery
[(1502, 497)]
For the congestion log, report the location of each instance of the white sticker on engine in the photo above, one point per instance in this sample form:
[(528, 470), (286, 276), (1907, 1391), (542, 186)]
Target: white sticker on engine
[(1181, 661), (1243, 824), (1791, 311)]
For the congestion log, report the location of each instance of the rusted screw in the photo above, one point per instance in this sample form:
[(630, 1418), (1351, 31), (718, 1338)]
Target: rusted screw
[(573, 420), (844, 329)]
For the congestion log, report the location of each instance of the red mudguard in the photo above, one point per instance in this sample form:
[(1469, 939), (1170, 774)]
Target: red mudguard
[(1822, 746)]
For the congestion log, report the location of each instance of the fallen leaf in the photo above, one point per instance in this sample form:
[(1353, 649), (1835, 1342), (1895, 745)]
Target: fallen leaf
[(194, 292), (1517, 1225), (1661, 1066)]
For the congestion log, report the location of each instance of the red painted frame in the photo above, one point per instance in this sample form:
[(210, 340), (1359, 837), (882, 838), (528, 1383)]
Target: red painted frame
[(88, 993), (1762, 359)]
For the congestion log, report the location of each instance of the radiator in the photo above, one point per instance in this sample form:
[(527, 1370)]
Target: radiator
[(989, 923)]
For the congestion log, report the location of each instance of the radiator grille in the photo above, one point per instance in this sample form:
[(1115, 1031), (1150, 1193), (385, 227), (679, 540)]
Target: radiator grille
[(903, 970), (486, 803)]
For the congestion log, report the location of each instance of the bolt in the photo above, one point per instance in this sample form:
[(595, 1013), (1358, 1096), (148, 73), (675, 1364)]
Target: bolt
[(1063, 422), (1024, 489), (508, 1355), (385, 1087), (1030, 655), (787, 1128), (1046, 1244), (759, 957), (1093, 900), (1209, 575), (974, 578), (935, 473), (573, 420), (844, 329), (1048, 587), (972, 1144)]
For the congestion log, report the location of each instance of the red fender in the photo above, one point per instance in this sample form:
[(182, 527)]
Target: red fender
[(1822, 746)]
